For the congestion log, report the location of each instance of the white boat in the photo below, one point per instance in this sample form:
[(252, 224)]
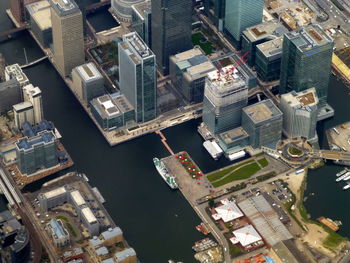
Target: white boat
[(342, 172), (346, 187), (163, 171), (213, 149), (342, 177)]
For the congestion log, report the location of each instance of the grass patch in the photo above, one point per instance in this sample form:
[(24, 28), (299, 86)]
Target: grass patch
[(218, 175), (295, 151), (263, 162), (206, 47), (69, 227), (333, 239), (63, 218), (240, 174)]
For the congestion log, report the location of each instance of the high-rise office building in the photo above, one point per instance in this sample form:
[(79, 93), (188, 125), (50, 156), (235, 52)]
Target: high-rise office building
[(241, 14), (188, 71), (23, 112), (300, 114), (172, 30), (37, 152), (263, 122), (215, 10), (67, 35), (225, 94), (122, 8), (88, 82), (137, 76), (141, 21), (268, 59), (33, 95), (15, 72), (306, 61), (257, 34), (10, 94), (17, 10)]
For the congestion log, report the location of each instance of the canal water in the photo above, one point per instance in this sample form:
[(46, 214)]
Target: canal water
[(157, 222)]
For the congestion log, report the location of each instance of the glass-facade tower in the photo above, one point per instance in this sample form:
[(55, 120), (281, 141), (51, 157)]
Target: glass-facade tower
[(306, 61), (137, 76), (241, 14), (172, 30)]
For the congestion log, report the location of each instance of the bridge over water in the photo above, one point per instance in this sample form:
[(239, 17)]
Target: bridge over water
[(330, 155)]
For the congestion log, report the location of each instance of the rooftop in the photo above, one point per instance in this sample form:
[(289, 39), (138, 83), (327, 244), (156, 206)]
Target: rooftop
[(64, 7), (22, 106), (111, 232), (304, 98), (15, 71), (228, 211), (269, 29), (88, 72), (124, 254), (57, 228), (233, 135), (55, 192), (102, 251), (78, 199), (246, 236), (89, 216), (44, 137), (272, 48), (137, 46), (262, 111), (265, 219), (31, 90), (142, 8), (112, 105), (309, 37), (226, 78), (40, 12)]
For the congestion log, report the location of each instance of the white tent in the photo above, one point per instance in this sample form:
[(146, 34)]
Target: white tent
[(246, 235), (227, 212)]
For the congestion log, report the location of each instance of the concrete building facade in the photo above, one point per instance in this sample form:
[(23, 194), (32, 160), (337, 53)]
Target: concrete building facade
[(33, 95), (23, 112), (123, 8), (88, 82), (67, 35)]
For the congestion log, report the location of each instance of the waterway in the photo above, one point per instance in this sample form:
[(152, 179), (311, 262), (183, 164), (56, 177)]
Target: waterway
[(157, 222)]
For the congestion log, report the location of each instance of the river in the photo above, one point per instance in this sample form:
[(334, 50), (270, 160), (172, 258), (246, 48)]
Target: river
[(157, 222)]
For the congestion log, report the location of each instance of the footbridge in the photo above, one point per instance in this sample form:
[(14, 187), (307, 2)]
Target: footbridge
[(330, 155), (33, 62)]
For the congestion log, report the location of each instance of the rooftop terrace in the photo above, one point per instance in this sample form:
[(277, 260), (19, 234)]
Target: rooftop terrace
[(262, 111)]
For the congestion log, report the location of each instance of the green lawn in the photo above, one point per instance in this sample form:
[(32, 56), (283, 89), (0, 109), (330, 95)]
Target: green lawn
[(216, 176), (263, 162), (294, 151), (240, 174), (206, 47)]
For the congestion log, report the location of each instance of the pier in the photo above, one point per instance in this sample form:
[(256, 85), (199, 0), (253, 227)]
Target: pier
[(164, 142)]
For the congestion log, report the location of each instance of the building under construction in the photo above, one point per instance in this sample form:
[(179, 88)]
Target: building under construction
[(225, 94)]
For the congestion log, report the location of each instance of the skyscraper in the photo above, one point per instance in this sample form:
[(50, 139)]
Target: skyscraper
[(17, 10), (240, 14), (215, 9), (137, 76), (33, 95), (172, 30), (306, 61), (67, 35), (141, 21), (122, 8), (225, 94), (300, 114)]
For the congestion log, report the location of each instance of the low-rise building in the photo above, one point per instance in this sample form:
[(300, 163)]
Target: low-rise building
[(90, 221), (40, 21), (112, 236), (88, 82), (15, 72), (126, 256), (112, 111), (59, 234), (53, 198), (188, 71), (263, 122)]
